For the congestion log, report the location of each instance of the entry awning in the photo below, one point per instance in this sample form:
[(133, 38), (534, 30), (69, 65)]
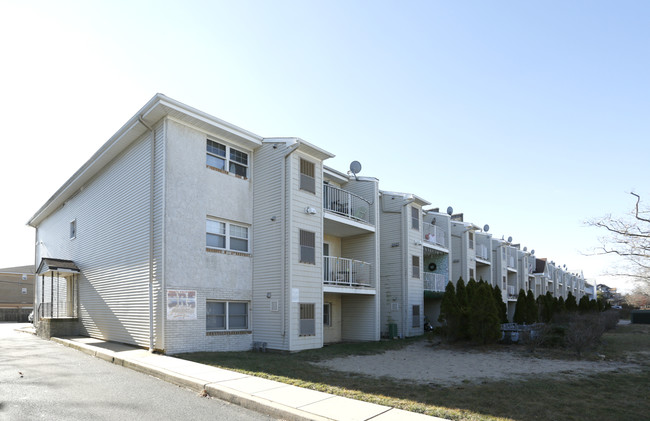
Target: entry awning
[(49, 265)]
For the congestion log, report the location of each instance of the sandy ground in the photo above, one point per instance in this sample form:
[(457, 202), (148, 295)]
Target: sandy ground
[(435, 365)]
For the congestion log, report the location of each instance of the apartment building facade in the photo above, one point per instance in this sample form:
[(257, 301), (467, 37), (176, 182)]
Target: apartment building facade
[(186, 233)]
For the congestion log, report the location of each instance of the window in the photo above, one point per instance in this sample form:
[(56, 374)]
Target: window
[(471, 274), (225, 315), (227, 159), (471, 240), (416, 266), (73, 229), (327, 314), (236, 238), (307, 319), (307, 247), (307, 178), (416, 316), (415, 218)]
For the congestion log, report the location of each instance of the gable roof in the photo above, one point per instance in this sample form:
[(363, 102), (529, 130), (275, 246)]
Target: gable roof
[(158, 107)]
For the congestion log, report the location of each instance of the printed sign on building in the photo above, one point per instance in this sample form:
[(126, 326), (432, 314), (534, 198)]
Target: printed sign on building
[(181, 304)]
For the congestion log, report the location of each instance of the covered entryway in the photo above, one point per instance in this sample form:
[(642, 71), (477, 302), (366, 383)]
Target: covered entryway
[(57, 297)]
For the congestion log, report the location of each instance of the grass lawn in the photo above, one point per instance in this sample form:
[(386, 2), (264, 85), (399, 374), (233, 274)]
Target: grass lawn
[(601, 396)]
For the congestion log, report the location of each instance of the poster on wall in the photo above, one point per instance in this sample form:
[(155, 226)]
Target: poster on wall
[(181, 304)]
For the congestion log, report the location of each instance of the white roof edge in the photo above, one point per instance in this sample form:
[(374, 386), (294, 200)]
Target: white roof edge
[(406, 196), (116, 144), (323, 154)]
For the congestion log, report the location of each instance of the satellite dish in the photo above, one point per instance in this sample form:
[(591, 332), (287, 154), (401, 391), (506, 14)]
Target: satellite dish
[(525, 248), (510, 239), (532, 252), (486, 228), (355, 167), (450, 210)]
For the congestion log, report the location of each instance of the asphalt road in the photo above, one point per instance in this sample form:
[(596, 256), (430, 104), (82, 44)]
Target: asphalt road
[(42, 380)]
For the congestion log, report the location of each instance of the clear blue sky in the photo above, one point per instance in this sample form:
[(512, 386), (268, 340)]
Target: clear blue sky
[(529, 116)]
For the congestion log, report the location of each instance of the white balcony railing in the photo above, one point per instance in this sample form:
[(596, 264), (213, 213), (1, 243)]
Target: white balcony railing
[(435, 282), (346, 272), (482, 251), (434, 235), (511, 291), (511, 262), (346, 203)]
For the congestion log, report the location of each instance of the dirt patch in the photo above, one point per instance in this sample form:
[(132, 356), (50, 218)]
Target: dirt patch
[(422, 363)]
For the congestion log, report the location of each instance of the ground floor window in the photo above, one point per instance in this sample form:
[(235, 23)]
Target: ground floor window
[(416, 316), (327, 314), (226, 315), (307, 319)]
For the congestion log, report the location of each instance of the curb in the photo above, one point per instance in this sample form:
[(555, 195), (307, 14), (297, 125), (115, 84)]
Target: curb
[(215, 390)]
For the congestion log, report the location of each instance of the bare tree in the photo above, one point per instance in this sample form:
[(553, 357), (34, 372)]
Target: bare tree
[(629, 238)]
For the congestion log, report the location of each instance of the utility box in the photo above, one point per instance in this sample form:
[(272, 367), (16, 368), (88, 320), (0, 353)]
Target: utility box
[(392, 330), (640, 316)]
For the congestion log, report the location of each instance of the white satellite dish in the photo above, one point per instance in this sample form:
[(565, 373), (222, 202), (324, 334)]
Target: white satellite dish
[(532, 251), (510, 239), (486, 228), (525, 248), (450, 210)]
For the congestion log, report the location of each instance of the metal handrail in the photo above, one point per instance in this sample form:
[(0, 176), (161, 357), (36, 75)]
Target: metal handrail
[(346, 272), (346, 203)]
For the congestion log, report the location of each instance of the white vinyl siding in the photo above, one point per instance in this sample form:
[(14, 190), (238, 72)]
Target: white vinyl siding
[(112, 249)]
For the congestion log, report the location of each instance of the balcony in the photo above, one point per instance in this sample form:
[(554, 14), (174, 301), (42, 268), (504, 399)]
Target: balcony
[(346, 204), (512, 293), (433, 234), (435, 282), (482, 252), (342, 272)]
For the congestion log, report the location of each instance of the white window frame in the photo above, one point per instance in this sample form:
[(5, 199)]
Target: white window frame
[(415, 266), (471, 240), (305, 257), (415, 218), (73, 229), (229, 158), (327, 314), (307, 181), (227, 235), (227, 316), (307, 325)]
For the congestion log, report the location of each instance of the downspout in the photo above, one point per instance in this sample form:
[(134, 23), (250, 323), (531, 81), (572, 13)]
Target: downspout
[(151, 229), (286, 269)]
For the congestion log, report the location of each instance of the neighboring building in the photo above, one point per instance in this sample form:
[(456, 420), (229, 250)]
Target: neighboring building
[(16, 293)]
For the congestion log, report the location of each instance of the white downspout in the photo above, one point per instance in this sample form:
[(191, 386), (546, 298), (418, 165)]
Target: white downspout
[(286, 224), (151, 229)]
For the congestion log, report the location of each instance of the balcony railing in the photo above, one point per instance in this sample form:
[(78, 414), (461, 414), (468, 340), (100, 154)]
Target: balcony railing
[(346, 272), (435, 282), (434, 235), (482, 251), (346, 203), (511, 291)]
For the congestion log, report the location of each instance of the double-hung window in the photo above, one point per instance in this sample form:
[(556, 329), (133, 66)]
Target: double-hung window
[(307, 247), (226, 315), (307, 176), (307, 319), (226, 158), (415, 218), (471, 240), (226, 235), (415, 260)]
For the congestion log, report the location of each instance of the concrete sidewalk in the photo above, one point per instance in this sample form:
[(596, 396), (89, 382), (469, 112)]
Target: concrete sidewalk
[(273, 398)]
